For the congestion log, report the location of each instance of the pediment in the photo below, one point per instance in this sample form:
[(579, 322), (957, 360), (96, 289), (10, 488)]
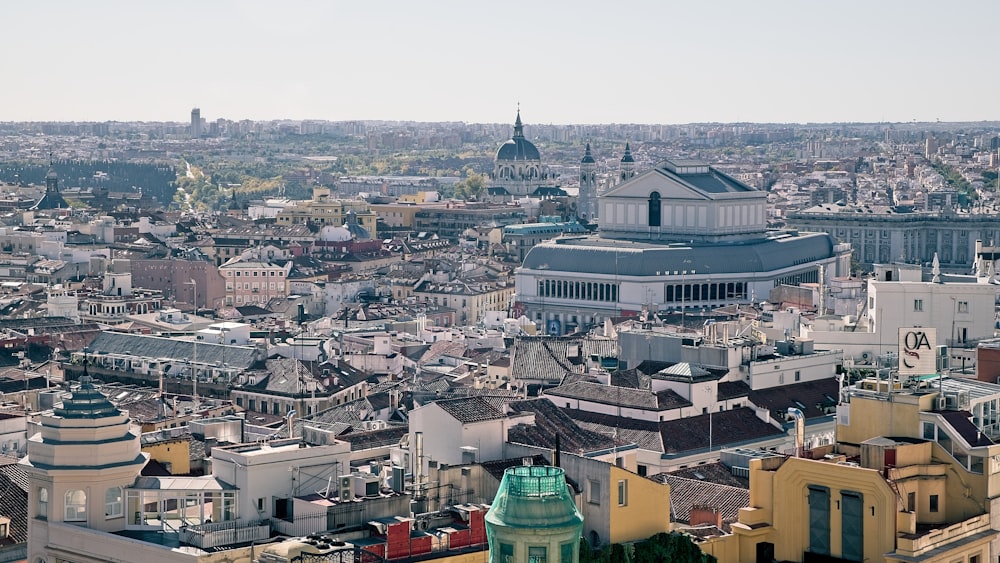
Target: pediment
[(656, 181)]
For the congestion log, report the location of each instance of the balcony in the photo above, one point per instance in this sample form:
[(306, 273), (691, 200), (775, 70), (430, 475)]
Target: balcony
[(220, 534)]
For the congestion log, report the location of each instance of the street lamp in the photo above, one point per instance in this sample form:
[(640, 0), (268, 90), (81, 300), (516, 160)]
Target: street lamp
[(195, 297)]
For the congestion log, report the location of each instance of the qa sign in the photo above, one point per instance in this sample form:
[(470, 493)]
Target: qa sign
[(917, 351)]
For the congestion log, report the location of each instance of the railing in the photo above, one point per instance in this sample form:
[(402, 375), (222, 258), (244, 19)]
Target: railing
[(226, 533)]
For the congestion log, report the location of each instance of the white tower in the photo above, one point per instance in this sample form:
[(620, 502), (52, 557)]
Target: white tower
[(62, 302), (79, 466)]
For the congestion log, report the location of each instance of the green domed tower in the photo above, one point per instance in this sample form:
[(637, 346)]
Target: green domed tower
[(534, 518)]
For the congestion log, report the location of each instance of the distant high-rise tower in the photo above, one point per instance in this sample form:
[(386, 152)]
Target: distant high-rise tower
[(930, 147), (196, 123), (586, 201), (627, 165)]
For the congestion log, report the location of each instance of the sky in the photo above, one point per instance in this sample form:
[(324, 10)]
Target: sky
[(575, 61)]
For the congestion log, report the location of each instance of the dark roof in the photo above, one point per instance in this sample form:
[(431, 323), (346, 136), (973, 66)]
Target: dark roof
[(809, 396), (596, 255), (497, 468), (961, 422), (287, 376), (470, 409), (623, 396), (732, 390), (588, 158), (14, 502), (735, 426), (160, 347), (551, 421), (643, 433), (374, 438)]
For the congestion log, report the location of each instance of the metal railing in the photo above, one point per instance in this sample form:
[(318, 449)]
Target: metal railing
[(226, 533)]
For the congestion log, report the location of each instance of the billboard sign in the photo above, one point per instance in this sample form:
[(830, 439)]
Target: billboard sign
[(917, 351)]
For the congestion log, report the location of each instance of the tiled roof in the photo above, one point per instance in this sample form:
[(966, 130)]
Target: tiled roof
[(807, 395), (685, 493), (727, 427), (160, 347), (542, 358), (551, 421), (287, 376), (374, 438), (601, 347), (616, 395), (732, 390), (14, 505), (643, 433), (470, 409), (716, 473)]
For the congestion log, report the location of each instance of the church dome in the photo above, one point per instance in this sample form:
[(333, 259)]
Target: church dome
[(517, 147)]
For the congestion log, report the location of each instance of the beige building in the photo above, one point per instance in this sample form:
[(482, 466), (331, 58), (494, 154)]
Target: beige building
[(252, 282), (910, 479), (323, 210)]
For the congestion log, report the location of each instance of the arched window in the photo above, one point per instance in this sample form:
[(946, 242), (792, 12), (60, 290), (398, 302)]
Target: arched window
[(113, 502), (43, 502), (654, 209), (76, 506)]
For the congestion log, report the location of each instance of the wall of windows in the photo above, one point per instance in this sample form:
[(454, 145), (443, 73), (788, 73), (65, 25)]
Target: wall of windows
[(574, 289), (708, 291)]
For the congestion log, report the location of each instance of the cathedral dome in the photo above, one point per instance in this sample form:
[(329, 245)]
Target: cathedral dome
[(517, 147)]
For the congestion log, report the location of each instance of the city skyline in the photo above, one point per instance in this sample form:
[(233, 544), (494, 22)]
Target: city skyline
[(578, 62)]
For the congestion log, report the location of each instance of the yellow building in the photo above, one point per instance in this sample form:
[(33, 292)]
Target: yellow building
[(172, 453), (905, 482), (639, 507), (396, 214), (323, 210)]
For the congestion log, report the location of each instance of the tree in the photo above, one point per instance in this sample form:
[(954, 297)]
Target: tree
[(472, 187)]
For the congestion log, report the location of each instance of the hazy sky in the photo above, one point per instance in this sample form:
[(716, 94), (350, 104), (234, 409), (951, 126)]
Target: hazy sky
[(571, 61)]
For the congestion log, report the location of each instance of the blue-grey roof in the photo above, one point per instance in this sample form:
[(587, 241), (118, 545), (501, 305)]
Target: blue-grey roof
[(160, 347), (595, 255), (518, 148)]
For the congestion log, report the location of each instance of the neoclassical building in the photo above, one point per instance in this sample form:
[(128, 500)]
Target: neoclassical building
[(682, 235), (517, 168), (880, 235)]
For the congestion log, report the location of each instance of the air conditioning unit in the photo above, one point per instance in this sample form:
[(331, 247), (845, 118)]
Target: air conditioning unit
[(942, 403), (346, 488)]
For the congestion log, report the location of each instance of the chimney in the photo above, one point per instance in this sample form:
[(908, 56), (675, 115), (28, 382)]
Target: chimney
[(704, 515), (558, 453), (800, 430)]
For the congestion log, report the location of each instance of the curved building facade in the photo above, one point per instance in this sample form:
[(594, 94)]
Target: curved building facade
[(533, 517), (680, 236)]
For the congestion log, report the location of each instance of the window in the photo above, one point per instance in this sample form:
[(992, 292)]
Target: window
[(113, 502), (911, 502), (929, 431), (852, 526), (76, 506), (819, 520), (566, 553), (623, 492), (641, 470), (43, 502), (918, 305), (934, 503), (506, 553), (963, 306), (594, 492), (536, 554), (654, 209), (798, 375)]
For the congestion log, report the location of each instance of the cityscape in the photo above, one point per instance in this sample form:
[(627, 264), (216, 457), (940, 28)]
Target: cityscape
[(401, 341), (499, 283)]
